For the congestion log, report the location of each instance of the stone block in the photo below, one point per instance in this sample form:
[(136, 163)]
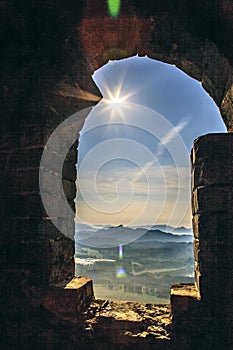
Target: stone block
[(29, 228), (62, 249), (24, 205), (70, 300), (213, 147), (26, 181), (62, 259), (184, 308), (27, 158), (18, 229), (213, 227), (212, 255), (32, 256), (211, 172), (216, 288), (183, 298), (57, 227), (209, 254), (214, 199), (9, 141), (46, 228), (31, 135)]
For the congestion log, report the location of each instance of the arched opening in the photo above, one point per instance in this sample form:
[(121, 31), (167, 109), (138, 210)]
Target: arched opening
[(162, 34), (155, 106), (67, 41)]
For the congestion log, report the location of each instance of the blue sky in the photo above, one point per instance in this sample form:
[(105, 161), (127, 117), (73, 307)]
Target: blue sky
[(134, 150)]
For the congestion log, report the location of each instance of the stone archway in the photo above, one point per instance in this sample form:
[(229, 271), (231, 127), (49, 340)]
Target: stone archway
[(49, 44), (160, 36), (89, 38)]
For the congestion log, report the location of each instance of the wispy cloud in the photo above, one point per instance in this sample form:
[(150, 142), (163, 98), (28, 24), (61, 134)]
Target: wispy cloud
[(170, 136)]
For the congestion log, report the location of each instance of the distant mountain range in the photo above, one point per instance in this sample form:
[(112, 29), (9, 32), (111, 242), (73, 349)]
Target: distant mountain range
[(160, 236), (165, 228), (176, 230), (112, 236)]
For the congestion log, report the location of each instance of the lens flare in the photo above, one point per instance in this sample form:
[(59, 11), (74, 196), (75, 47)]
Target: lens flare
[(120, 252), (121, 273), (117, 97), (114, 7)]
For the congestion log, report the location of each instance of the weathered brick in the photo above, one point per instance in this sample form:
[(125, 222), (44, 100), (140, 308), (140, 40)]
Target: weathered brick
[(213, 220), (183, 298), (65, 225), (28, 205), (71, 300), (213, 147), (25, 158), (18, 229), (214, 226), (31, 136), (26, 181), (212, 256), (216, 288), (9, 141), (210, 172), (212, 199), (27, 253)]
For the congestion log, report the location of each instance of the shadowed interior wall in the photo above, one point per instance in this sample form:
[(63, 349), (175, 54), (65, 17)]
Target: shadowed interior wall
[(48, 44), (202, 316)]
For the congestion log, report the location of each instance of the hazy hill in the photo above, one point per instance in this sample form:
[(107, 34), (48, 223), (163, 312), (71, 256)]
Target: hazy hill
[(120, 235)]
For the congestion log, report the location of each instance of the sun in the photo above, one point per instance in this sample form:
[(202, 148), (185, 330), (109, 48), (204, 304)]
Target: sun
[(116, 99)]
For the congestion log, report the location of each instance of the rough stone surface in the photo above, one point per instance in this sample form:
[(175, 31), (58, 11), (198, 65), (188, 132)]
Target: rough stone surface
[(213, 243), (47, 46), (209, 302), (185, 299), (69, 300), (125, 325)]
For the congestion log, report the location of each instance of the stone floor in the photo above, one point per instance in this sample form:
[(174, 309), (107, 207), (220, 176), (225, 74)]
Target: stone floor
[(54, 321), (127, 325)]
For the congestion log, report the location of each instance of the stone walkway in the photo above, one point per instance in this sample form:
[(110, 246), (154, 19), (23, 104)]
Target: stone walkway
[(127, 325)]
